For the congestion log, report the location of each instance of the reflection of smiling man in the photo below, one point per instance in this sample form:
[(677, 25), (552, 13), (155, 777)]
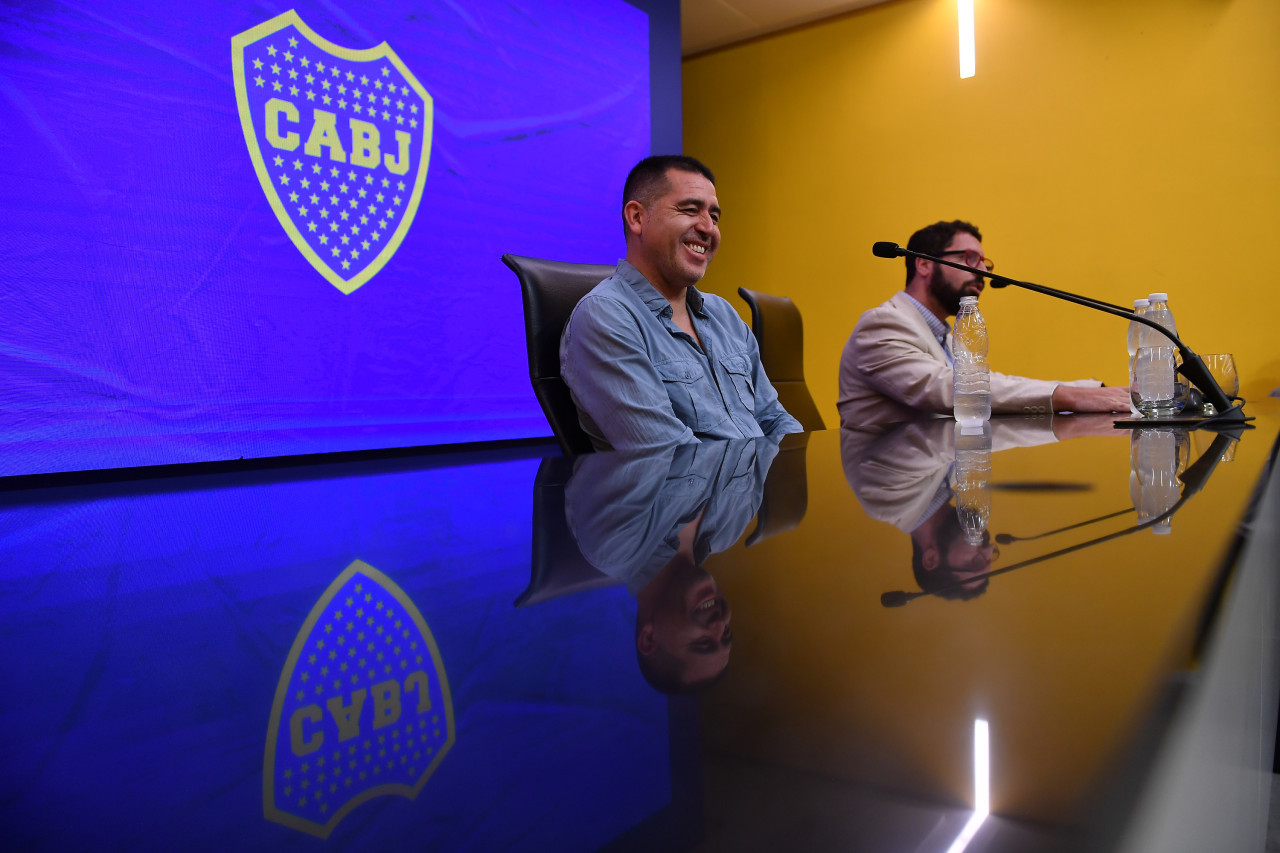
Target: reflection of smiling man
[(652, 520), (682, 622), (649, 359)]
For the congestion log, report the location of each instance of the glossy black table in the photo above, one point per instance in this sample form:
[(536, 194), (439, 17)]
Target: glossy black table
[(418, 654)]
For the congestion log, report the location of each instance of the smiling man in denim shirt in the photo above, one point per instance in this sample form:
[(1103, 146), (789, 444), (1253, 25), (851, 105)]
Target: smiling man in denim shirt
[(649, 359)]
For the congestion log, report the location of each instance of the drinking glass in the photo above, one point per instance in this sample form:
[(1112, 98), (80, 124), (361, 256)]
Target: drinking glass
[(1222, 367)]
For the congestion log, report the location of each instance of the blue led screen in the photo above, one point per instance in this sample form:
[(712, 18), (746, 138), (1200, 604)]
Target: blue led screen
[(244, 230)]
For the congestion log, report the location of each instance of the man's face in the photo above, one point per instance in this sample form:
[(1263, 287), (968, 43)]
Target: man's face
[(948, 284), (680, 231), (952, 567)]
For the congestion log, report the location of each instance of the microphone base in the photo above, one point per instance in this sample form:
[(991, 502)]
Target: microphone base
[(1231, 418)]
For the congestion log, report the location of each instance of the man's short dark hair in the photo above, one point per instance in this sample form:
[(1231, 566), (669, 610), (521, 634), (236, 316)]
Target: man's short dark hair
[(933, 239), (648, 179), (665, 673)]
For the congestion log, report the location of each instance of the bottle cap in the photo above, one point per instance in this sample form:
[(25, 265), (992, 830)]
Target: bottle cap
[(1140, 303), (968, 300), (1159, 297)]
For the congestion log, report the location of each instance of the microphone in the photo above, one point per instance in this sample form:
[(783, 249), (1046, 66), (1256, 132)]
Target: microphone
[(1193, 367)]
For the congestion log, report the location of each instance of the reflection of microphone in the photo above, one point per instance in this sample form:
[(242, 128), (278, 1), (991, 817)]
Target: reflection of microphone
[(1006, 538), (1194, 479), (898, 598), (1192, 366)]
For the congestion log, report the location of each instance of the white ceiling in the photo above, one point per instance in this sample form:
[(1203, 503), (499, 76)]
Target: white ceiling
[(708, 24)]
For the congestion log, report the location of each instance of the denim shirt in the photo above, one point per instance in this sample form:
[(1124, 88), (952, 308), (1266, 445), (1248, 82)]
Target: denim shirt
[(639, 381)]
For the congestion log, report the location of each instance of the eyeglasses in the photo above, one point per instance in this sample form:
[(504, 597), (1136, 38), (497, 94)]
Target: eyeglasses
[(972, 258)]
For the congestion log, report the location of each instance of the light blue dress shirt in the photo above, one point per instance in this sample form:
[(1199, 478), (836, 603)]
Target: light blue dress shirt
[(940, 329), (639, 381)]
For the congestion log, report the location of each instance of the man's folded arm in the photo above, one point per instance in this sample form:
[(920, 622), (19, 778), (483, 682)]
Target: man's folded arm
[(612, 379)]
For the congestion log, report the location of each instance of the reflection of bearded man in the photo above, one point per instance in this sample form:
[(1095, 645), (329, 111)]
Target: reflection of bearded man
[(942, 560)]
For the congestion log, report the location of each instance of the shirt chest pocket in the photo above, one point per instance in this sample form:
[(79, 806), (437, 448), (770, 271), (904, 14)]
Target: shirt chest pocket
[(693, 394), (738, 369)]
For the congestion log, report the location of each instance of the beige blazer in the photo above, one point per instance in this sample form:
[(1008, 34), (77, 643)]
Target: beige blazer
[(893, 369)]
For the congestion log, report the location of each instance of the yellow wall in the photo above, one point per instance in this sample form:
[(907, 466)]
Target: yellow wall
[(1111, 148)]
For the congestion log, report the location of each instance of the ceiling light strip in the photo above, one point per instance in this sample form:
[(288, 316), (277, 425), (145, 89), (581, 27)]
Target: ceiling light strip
[(968, 54)]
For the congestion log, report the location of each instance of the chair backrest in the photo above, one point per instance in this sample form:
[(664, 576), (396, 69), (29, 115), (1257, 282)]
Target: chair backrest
[(776, 323), (550, 290)]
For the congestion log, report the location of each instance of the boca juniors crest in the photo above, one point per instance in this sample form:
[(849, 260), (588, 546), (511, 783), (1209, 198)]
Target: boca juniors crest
[(340, 139), (362, 708)]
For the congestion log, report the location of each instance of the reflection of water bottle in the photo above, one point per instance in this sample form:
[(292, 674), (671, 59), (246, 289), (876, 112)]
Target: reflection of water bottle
[(1135, 331), (972, 402), (1156, 458), (973, 479)]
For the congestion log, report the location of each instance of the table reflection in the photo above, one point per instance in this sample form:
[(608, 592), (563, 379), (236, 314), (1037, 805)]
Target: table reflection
[(931, 480), (651, 521), (182, 644)]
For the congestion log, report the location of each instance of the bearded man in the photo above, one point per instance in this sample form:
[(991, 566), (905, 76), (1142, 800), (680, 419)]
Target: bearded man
[(897, 363)]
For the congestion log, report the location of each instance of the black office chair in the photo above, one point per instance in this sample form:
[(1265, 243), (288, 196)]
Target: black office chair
[(782, 353), (550, 290)]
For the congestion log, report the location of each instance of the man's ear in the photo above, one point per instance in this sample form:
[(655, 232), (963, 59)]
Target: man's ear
[(930, 558), (924, 269), (646, 644), (633, 216)]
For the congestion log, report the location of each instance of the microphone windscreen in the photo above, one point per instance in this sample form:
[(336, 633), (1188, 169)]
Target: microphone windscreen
[(894, 599), (886, 250)]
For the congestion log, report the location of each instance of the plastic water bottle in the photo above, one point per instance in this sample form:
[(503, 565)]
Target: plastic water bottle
[(1159, 305), (1135, 331), (972, 401), (973, 479), (1158, 310), (1154, 391)]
